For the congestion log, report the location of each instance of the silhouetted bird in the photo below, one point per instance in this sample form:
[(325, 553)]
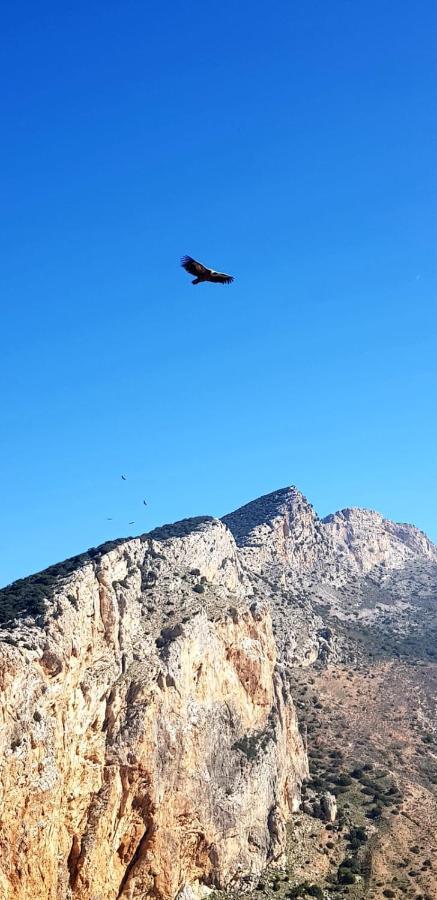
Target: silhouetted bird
[(123, 477), (145, 502), (202, 273), (132, 523)]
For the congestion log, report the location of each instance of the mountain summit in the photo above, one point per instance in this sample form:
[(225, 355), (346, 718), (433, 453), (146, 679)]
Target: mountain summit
[(282, 529)]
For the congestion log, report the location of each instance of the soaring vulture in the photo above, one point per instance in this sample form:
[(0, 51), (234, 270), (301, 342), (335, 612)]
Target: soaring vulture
[(202, 273)]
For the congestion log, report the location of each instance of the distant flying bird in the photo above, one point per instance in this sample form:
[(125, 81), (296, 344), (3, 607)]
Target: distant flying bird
[(123, 477), (145, 502), (202, 273), (109, 519), (131, 523)]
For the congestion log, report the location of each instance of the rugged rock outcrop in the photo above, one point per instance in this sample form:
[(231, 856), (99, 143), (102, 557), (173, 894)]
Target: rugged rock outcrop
[(328, 807), (148, 742), (149, 745), (322, 576), (280, 533), (365, 540)]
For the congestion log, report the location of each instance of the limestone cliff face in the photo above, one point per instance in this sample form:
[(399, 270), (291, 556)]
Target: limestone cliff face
[(281, 533), (365, 539), (148, 744)]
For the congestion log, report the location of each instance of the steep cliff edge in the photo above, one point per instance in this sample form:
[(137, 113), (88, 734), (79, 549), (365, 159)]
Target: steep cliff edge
[(149, 744)]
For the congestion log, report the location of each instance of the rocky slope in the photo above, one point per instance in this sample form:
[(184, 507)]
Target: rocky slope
[(149, 742), (339, 583)]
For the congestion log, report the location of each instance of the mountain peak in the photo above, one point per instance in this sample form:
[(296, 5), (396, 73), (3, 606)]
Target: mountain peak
[(280, 528), (263, 511), (281, 531)]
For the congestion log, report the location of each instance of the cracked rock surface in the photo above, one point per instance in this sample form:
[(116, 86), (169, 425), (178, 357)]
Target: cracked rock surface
[(149, 745)]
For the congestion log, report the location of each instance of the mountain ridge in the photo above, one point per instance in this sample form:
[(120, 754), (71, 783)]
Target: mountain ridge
[(261, 511)]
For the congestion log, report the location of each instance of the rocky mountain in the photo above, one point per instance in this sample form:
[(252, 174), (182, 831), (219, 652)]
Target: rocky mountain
[(323, 578), (150, 744), (281, 532)]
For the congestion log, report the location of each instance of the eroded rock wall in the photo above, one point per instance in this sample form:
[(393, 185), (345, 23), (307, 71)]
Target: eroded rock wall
[(148, 743), (364, 539)]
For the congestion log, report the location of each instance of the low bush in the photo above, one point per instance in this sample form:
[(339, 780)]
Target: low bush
[(342, 780)]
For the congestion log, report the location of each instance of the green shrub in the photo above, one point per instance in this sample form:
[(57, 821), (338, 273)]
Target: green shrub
[(313, 890), (252, 744), (318, 783), (351, 863), (357, 837), (342, 780), (305, 889), (375, 813)]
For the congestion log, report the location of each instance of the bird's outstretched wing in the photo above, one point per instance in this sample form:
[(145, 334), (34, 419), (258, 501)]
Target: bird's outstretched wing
[(194, 268), (221, 277)]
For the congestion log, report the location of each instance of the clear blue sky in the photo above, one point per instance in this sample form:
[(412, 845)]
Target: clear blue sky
[(291, 144)]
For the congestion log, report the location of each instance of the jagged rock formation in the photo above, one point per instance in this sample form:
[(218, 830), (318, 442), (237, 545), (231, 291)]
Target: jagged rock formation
[(281, 532), (328, 807), (278, 532), (149, 743), (366, 539), (324, 577)]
